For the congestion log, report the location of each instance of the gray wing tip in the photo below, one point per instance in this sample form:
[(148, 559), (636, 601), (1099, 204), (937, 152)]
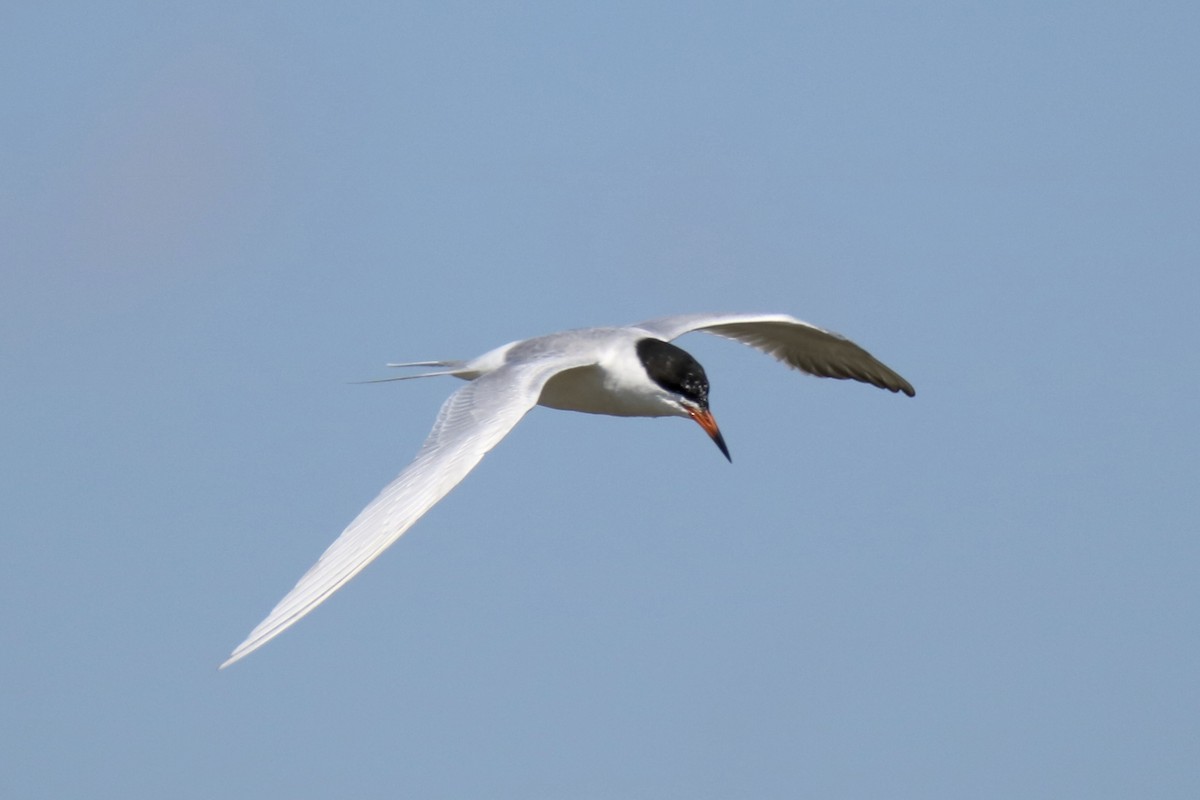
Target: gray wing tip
[(891, 381), (241, 651)]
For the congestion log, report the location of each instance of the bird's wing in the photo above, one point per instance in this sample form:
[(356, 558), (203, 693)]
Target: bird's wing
[(471, 422), (797, 344)]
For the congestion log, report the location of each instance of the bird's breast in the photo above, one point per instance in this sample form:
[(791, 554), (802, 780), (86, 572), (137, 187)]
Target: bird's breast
[(593, 390)]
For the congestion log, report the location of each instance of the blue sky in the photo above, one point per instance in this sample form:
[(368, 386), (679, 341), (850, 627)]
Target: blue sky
[(217, 216)]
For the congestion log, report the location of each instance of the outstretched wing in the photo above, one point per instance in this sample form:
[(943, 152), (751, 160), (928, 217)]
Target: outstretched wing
[(797, 344), (471, 422)]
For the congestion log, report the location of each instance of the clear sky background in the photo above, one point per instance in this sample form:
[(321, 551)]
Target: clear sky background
[(216, 216)]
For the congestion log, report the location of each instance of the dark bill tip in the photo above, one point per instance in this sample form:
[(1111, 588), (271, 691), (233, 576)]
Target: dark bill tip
[(704, 419), (720, 440)]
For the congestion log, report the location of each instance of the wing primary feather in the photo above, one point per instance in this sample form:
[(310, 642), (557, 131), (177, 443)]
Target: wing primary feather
[(471, 422), (796, 343)]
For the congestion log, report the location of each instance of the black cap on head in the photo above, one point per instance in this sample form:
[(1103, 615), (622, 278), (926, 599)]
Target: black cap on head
[(674, 369)]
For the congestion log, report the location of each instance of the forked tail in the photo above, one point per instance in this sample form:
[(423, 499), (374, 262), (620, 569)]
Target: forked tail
[(455, 368)]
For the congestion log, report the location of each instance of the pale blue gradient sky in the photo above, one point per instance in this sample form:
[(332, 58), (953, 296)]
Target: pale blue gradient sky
[(215, 216)]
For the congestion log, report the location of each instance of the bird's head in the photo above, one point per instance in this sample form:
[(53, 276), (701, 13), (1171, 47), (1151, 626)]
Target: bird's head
[(681, 376)]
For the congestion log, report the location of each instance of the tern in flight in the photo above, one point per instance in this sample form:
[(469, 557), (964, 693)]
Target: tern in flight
[(632, 371)]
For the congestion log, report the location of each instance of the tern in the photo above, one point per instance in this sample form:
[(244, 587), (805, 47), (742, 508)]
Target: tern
[(631, 371)]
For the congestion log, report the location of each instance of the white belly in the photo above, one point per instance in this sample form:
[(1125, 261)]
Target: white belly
[(590, 391)]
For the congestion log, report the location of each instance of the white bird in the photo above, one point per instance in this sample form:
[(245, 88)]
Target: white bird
[(627, 372)]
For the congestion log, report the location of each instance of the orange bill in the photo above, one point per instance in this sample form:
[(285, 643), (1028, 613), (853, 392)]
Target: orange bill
[(706, 420)]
